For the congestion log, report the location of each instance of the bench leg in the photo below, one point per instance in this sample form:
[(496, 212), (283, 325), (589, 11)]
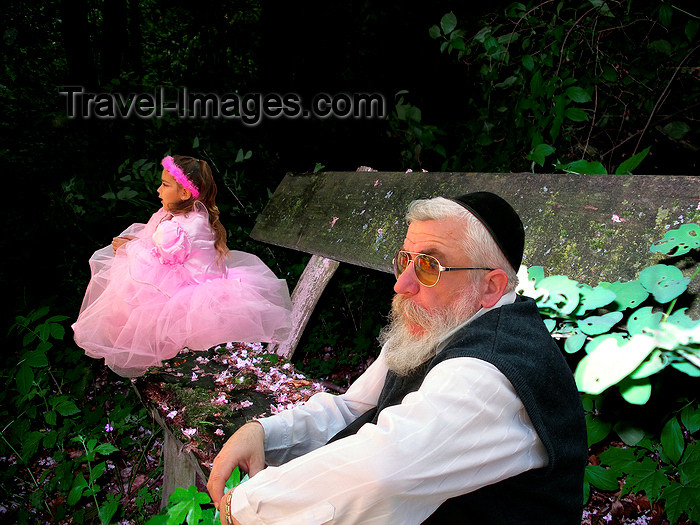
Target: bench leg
[(178, 470), (306, 294)]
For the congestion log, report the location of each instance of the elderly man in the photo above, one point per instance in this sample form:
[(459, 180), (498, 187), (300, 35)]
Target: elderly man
[(469, 415)]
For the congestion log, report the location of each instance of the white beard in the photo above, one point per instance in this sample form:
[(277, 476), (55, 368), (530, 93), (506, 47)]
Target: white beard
[(405, 351)]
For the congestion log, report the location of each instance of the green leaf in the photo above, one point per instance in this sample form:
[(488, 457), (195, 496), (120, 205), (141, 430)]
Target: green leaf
[(628, 166), (585, 167), (691, 29), (664, 282), (601, 478), (611, 362), (536, 85), (609, 74), (672, 440), (599, 324), (629, 434), (678, 241), (679, 498), (635, 392), (656, 362), (482, 34), (57, 331), (159, 519), (645, 475), (233, 480), (690, 417), (680, 319), (558, 293), (593, 298), (689, 467), (596, 429), (540, 152), (661, 46), (187, 505), (676, 129), (108, 509), (38, 313), (618, 459), (50, 417), (76, 491), (448, 23), (627, 294), (434, 32), (57, 318), (195, 143), (578, 94), (687, 368), (665, 14), (603, 8), (575, 342), (97, 470), (644, 320), (507, 82), (528, 62), (515, 10), (105, 448), (67, 408), (24, 379), (457, 42), (49, 440), (535, 274), (30, 444), (576, 114), (551, 324)]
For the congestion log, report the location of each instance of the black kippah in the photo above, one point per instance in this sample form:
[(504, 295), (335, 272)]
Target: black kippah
[(501, 220)]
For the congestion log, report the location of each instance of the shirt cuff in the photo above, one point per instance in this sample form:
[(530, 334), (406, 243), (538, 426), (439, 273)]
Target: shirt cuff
[(241, 509)]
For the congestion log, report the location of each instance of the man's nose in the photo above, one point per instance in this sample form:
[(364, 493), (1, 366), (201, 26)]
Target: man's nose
[(407, 283)]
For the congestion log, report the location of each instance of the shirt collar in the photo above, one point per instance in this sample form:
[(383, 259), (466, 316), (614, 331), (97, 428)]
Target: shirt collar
[(508, 298)]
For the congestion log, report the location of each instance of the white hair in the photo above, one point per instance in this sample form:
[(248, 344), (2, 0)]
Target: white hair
[(476, 242)]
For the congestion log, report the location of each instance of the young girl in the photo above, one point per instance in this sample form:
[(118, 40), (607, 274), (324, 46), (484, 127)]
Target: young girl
[(172, 283)]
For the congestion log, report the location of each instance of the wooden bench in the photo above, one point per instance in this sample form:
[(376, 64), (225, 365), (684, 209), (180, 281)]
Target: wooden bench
[(590, 228)]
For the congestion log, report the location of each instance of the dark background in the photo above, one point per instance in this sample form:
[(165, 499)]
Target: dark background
[(58, 170)]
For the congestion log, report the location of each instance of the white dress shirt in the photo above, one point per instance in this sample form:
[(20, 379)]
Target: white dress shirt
[(463, 429)]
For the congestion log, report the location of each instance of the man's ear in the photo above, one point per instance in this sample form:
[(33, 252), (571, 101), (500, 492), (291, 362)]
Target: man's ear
[(494, 283)]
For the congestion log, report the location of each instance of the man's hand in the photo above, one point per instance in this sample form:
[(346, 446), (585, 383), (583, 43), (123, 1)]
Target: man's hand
[(246, 450)]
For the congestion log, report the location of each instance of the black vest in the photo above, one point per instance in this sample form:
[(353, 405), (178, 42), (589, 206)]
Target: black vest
[(514, 339)]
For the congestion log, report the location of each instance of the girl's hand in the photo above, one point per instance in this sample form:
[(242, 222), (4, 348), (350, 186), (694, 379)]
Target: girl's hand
[(119, 241)]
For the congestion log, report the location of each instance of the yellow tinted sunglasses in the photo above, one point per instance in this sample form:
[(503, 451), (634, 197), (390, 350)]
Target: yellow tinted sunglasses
[(426, 267)]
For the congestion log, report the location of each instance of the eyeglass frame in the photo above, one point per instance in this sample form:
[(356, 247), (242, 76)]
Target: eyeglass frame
[(441, 268)]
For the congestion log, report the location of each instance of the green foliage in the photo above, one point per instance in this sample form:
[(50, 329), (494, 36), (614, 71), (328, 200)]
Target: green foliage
[(625, 343), (406, 123), (664, 469), (629, 332), (48, 421), (550, 84), (193, 507)]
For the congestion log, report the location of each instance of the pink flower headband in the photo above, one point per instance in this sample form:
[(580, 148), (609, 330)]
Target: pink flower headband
[(169, 164)]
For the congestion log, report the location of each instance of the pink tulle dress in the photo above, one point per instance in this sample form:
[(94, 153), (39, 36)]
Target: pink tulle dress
[(167, 290)]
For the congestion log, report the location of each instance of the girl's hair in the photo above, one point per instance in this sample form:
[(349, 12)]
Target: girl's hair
[(199, 173), (477, 242)]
